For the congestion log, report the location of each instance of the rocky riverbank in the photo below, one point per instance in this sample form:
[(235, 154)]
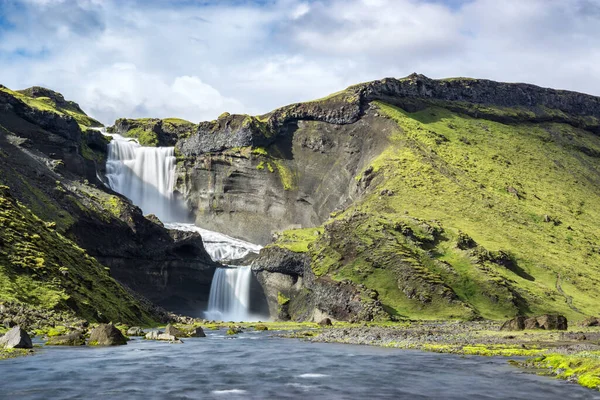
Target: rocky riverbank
[(573, 354)]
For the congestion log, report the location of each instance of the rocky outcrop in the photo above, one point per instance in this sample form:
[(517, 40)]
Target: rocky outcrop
[(16, 338), (293, 292), (529, 102), (297, 181), (106, 335), (72, 339), (154, 131), (546, 321)]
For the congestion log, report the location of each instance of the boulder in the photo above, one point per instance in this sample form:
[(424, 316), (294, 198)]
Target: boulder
[(135, 331), (171, 330), (71, 339), (325, 322), (106, 335), (553, 322), (197, 332), (233, 330), (153, 335), (166, 336), (546, 321), (16, 338), (590, 321), (261, 328), (531, 323)]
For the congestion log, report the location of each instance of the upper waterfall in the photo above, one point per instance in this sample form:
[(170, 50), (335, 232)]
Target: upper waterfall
[(146, 176)]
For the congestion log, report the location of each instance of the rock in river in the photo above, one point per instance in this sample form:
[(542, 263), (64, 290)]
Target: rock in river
[(197, 332), (71, 339), (106, 335), (135, 331), (171, 330), (16, 338)]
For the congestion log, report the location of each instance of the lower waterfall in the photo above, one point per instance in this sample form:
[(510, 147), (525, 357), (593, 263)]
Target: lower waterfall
[(146, 176), (230, 295)]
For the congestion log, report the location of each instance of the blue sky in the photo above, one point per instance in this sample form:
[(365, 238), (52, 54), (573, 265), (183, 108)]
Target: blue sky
[(195, 59)]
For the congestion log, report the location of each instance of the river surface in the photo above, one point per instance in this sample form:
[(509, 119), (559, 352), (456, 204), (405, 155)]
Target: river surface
[(254, 365)]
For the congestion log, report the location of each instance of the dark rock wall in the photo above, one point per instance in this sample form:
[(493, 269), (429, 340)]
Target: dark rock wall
[(308, 173)]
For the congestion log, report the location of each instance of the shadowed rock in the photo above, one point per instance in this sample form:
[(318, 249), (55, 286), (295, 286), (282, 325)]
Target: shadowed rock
[(16, 338), (106, 335)]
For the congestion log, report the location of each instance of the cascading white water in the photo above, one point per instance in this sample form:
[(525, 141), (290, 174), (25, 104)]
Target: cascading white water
[(230, 295), (219, 247), (146, 176)]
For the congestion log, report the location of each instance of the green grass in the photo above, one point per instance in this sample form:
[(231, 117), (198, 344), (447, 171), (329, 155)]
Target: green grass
[(45, 269), (47, 104), (583, 366), (453, 173), (144, 135), (298, 240)]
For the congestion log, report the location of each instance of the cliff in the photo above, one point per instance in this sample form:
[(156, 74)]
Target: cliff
[(453, 198)]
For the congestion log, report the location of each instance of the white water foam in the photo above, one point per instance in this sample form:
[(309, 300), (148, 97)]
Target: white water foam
[(230, 391), (220, 247), (229, 298), (311, 376)]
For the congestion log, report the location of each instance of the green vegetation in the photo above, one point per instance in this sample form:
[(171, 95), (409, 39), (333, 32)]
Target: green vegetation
[(13, 353), (144, 135), (272, 160), (45, 269), (298, 240), (526, 194), (583, 366), (55, 104), (282, 300)]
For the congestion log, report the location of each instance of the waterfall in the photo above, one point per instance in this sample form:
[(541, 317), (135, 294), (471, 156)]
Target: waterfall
[(230, 295), (219, 247), (146, 176)]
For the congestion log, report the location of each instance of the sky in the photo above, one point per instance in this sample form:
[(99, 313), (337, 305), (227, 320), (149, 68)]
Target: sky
[(195, 59)]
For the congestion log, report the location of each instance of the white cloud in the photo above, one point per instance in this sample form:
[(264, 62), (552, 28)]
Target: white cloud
[(193, 60)]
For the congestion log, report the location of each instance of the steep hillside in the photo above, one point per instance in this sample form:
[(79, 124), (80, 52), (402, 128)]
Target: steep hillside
[(456, 198), (50, 161)]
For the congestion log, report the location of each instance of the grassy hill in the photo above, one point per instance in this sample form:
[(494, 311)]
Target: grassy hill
[(464, 216)]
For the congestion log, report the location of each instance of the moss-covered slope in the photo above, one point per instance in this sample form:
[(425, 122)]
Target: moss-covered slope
[(42, 268), (466, 217), (48, 100), (153, 131)]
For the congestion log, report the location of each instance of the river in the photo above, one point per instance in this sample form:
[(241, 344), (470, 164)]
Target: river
[(256, 365)]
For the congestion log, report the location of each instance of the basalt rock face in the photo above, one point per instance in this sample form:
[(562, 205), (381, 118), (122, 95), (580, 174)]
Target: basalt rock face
[(293, 292), (297, 181)]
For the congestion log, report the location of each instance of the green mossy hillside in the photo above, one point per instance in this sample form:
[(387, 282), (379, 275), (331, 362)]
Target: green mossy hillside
[(465, 217), (48, 100), (42, 268), (154, 131)]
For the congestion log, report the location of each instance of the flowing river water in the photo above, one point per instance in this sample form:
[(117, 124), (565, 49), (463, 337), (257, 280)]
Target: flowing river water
[(255, 365)]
